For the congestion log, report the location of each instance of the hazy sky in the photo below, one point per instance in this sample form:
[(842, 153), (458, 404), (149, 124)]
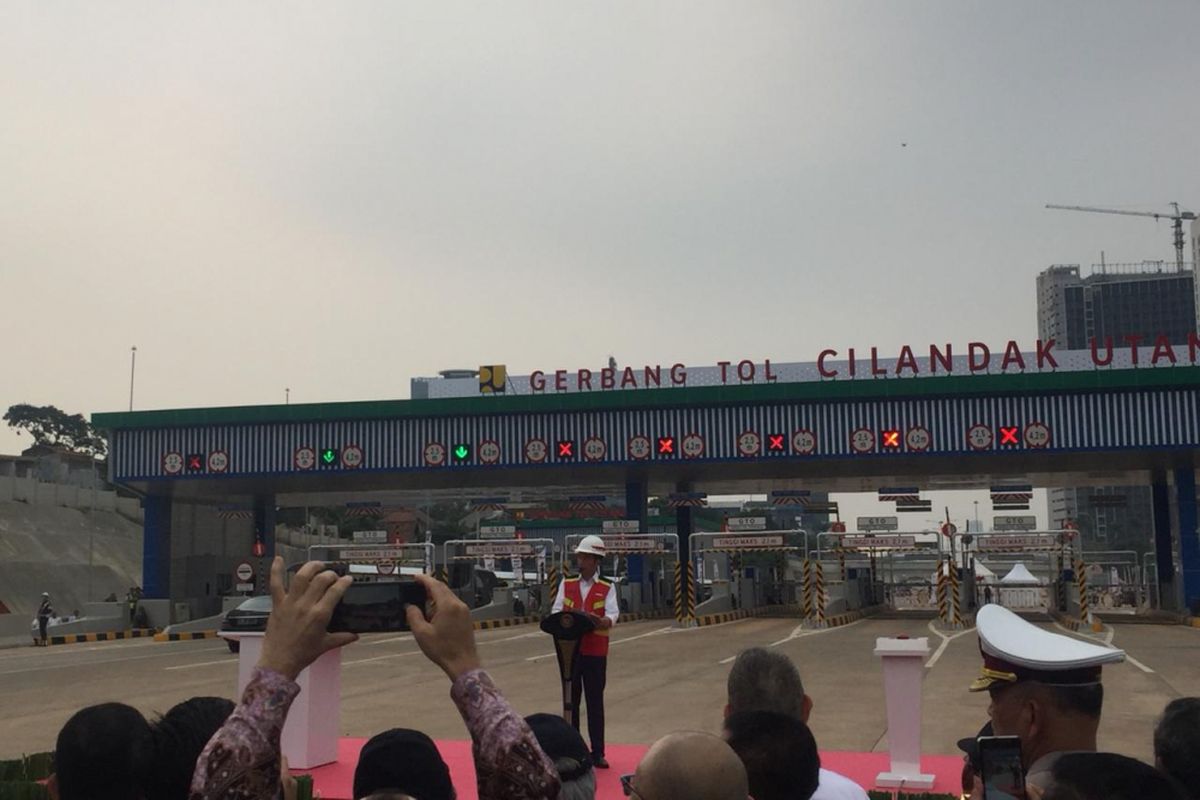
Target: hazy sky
[(335, 197)]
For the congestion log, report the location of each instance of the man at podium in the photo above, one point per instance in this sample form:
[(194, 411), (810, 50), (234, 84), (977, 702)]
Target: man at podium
[(593, 595)]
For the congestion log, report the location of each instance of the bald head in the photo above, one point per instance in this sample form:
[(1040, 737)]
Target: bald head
[(690, 764)]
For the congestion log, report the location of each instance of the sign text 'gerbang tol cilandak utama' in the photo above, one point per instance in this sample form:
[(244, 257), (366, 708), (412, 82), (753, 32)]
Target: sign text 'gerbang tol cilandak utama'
[(937, 360)]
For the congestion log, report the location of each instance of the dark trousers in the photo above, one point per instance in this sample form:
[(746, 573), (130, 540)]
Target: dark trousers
[(590, 684), (42, 623)]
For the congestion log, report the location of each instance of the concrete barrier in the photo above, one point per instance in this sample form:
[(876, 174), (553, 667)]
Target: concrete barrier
[(184, 637), (103, 636)]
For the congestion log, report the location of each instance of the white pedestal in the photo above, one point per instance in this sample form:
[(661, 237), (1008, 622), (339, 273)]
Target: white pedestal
[(310, 735), (903, 668)]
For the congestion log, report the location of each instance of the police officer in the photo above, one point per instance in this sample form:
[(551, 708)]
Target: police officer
[(596, 597), (44, 613), (1045, 688)]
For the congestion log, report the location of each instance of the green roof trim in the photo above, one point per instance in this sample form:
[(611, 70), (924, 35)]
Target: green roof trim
[(1180, 377)]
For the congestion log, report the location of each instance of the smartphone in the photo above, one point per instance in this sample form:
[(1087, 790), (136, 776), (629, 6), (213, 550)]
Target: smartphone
[(377, 607), (1003, 773)]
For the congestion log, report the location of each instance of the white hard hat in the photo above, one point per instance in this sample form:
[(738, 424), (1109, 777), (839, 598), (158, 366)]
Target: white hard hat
[(45, 594), (592, 545)]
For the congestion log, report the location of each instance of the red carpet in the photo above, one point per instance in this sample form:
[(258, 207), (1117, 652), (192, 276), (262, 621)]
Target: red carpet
[(336, 781)]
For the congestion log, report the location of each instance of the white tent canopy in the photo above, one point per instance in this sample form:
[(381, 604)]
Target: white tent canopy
[(1020, 574)]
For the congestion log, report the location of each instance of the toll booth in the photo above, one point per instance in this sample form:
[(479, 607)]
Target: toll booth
[(501, 578), (866, 568), (644, 567), (748, 570), (1118, 583), (1025, 571)]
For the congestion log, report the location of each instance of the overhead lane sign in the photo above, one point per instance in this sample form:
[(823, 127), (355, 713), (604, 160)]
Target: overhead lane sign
[(878, 523), (877, 542)]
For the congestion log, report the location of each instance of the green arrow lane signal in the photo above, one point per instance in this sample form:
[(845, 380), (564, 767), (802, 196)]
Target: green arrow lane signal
[(461, 452), (329, 456)]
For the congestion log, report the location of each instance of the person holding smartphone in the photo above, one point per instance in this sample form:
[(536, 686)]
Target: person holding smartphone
[(1045, 691)]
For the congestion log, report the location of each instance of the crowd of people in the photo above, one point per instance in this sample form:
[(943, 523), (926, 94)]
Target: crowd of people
[(208, 748)]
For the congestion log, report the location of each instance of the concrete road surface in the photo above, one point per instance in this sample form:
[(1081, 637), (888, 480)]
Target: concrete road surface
[(659, 679)]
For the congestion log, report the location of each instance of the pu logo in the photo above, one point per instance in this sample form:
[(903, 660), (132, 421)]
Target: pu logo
[(493, 379)]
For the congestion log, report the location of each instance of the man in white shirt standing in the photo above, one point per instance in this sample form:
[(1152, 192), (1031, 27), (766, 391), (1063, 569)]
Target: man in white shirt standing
[(762, 680), (592, 595)]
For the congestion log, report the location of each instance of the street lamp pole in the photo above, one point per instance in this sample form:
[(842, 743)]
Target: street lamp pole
[(132, 366)]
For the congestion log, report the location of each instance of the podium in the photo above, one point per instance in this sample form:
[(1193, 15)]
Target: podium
[(310, 735), (903, 669), (568, 629)]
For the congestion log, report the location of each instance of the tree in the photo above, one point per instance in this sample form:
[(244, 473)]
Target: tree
[(52, 427)]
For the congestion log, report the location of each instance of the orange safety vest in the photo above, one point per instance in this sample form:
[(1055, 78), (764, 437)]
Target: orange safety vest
[(596, 642)]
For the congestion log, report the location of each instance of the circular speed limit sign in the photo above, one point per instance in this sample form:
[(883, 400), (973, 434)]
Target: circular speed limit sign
[(536, 450), (434, 454), (979, 437), (692, 445), (218, 461), (304, 458), (489, 451), (804, 442), (862, 440), (172, 463), (352, 456), (638, 447), (918, 439), (594, 449), (1037, 435), (749, 443)]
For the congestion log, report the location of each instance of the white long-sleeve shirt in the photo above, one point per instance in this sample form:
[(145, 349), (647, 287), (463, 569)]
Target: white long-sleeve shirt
[(611, 609)]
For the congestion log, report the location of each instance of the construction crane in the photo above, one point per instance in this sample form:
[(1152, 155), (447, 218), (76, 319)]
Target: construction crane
[(1177, 218)]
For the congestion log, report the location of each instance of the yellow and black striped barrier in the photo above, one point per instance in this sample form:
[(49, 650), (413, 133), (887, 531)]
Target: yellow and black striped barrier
[(103, 636), (1081, 579), (943, 609), (552, 579), (186, 636), (820, 599), (766, 611), (679, 593), (691, 599), (955, 601), (807, 590), (508, 622)]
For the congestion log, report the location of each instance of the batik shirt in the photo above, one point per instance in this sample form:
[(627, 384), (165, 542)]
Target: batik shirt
[(241, 761)]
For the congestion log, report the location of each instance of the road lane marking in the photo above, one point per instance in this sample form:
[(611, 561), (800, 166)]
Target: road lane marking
[(656, 632), (946, 640), (1138, 663), (1108, 638), (800, 632), (201, 664), (381, 658), (88, 664)]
